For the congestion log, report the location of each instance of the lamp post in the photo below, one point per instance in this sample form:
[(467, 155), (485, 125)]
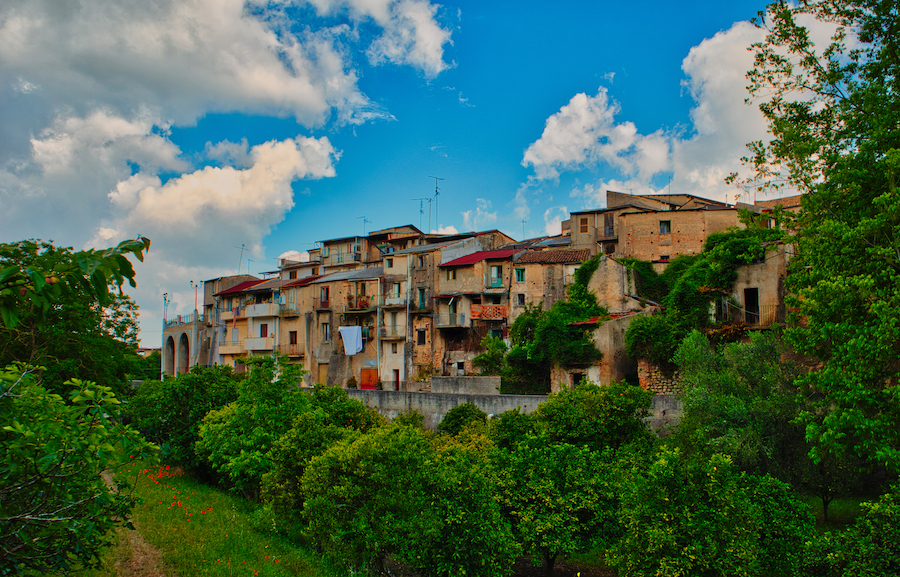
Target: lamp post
[(196, 287), (165, 306)]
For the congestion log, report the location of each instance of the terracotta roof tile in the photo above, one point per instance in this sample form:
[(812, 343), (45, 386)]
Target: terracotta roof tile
[(555, 256)]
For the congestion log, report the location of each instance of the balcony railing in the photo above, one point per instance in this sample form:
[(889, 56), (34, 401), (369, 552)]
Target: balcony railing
[(229, 346), (321, 303), (260, 343), (489, 312), (359, 303), (291, 350), (452, 320), (182, 320), (261, 310), (393, 332), (393, 300), (767, 315), (495, 282)]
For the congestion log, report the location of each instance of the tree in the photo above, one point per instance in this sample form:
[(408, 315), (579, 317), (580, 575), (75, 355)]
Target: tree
[(560, 498), (59, 310), (459, 417), (55, 508), (237, 439), (169, 412), (832, 112), (684, 518)]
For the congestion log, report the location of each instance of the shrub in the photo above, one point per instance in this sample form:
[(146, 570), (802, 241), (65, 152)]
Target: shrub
[(460, 416)]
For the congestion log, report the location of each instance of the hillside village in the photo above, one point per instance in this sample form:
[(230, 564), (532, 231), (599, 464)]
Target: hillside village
[(394, 307)]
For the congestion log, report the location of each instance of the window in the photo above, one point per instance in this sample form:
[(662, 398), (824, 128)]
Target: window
[(389, 262), (315, 270), (583, 225), (495, 299), (663, 257), (451, 274), (393, 320), (665, 227), (520, 299), (395, 291), (292, 274), (324, 294), (263, 330), (496, 275), (420, 336), (326, 332), (461, 366), (520, 275), (292, 336), (496, 333), (394, 348), (421, 298), (421, 261), (361, 289)]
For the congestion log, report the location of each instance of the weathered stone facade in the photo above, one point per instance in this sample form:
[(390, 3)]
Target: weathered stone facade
[(654, 379)]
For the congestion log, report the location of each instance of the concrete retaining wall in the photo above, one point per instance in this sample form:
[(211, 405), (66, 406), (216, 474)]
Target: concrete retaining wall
[(664, 412), (466, 385)]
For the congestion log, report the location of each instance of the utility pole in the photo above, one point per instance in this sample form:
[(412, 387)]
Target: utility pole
[(437, 220)]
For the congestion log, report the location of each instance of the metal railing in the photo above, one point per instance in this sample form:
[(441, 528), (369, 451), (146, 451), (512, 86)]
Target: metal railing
[(396, 332), (182, 320), (452, 320)]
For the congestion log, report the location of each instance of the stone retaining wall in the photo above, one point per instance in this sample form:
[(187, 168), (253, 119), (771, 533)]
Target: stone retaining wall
[(651, 378)]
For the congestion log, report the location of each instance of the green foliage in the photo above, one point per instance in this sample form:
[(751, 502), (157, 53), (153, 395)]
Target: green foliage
[(872, 545), (55, 506), (832, 111), (510, 427), (410, 418), (237, 438), (560, 498), (703, 518), (169, 412), (492, 360), (595, 417), (390, 492), (330, 417), (147, 368), (692, 285), (459, 417), (35, 276)]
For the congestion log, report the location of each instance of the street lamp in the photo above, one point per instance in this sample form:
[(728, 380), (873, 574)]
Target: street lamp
[(195, 286)]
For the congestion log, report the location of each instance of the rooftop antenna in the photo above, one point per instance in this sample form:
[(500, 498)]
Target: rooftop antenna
[(437, 190), (422, 210), (365, 220), (241, 261), (669, 186), (248, 265)]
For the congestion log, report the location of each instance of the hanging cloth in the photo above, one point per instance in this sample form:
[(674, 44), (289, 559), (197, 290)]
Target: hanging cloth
[(352, 337)]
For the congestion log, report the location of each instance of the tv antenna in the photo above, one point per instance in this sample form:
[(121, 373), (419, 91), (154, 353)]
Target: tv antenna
[(437, 191), (241, 261), (365, 220), (422, 210)]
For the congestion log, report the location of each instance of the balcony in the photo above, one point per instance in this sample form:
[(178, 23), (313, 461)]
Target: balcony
[(261, 310), (452, 320), (291, 350), (391, 301), (259, 343), (231, 347), (290, 310), (359, 303), (489, 312), (396, 332), (321, 304), (495, 282), (766, 316)]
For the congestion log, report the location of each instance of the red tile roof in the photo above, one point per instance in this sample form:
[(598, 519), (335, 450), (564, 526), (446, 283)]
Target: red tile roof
[(554, 256), (480, 256), (240, 287)]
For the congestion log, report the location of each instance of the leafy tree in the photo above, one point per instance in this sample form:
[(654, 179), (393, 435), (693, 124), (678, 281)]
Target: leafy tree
[(832, 112), (685, 518), (595, 417), (57, 311), (55, 507), (493, 360), (560, 498), (459, 417), (236, 440), (389, 492), (170, 412), (147, 368)]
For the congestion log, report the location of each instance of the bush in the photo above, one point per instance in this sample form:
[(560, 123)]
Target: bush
[(459, 417)]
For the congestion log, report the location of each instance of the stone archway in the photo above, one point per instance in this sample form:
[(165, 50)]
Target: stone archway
[(184, 353), (169, 356)]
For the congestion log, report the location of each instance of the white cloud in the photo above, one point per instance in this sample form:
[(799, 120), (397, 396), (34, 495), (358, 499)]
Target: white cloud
[(553, 218), (480, 217), (584, 133), (450, 229)]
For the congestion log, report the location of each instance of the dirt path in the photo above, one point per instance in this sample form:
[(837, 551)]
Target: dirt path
[(135, 557)]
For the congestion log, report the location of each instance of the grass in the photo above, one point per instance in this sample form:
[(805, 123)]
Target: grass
[(841, 512), (200, 530)]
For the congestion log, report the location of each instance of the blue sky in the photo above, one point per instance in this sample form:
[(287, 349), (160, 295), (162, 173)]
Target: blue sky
[(210, 124)]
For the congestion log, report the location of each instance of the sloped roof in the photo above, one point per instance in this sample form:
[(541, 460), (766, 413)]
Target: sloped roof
[(480, 256), (357, 274), (554, 256), (240, 287), (302, 281)]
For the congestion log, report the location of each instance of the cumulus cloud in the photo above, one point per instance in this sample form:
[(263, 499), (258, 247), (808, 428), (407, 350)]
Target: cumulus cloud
[(450, 229), (584, 133), (481, 216), (553, 218)]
